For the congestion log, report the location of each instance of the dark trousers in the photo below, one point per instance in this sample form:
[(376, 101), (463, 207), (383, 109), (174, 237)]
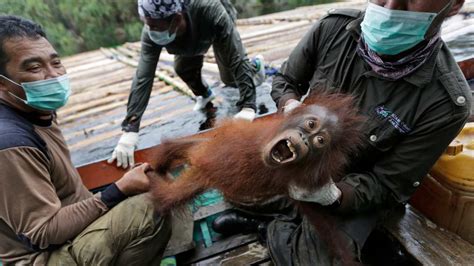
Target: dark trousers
[(293, 239), (189, 69)]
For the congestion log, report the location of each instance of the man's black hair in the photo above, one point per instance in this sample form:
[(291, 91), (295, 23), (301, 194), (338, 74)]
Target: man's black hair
[(12, 27)]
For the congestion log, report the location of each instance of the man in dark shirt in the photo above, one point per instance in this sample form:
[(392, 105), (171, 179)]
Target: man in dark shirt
[(187, 29), (406, 82)]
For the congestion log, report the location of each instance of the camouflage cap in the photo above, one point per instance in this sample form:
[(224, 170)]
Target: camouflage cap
[(159, 9)]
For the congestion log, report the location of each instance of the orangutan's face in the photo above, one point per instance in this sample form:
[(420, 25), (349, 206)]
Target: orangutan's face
[(306, 134)]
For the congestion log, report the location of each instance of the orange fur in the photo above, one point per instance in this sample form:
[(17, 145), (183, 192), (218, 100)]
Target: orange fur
[(231, 159)]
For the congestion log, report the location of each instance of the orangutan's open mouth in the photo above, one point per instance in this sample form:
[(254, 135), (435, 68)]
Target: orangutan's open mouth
[(284, 151)]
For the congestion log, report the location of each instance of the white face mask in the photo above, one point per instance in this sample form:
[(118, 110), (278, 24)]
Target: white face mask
[(161, 37)]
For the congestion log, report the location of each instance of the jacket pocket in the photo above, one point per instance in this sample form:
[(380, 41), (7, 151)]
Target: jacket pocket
[(383, 129)]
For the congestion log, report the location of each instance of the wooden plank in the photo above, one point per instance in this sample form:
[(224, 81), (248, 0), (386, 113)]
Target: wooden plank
[(308, 12), (91, 111), (94, 72), (97, 64), (463, 28), (222, 246), (90, 104), (279, 53), (428, 243), (168, 79), (273, 30), (79, 59), (102, 92), (90, 130), (98, 82), (467, 67), (251, 254), (102, 117), (207, 211), (290, 34), (114, 133)]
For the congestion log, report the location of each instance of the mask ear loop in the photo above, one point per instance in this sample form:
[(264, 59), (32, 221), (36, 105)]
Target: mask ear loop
[(438, 20), (171, 25), (12, 94), (11, 80)]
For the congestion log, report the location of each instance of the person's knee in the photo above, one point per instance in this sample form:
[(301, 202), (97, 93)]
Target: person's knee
[(227, 77), (229, 82), (138, 222), (134, 214), (179, 69), (187, 69)]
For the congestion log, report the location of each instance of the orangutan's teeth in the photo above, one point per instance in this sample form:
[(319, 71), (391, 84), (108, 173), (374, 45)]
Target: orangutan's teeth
[(290, 146), (276, 158)]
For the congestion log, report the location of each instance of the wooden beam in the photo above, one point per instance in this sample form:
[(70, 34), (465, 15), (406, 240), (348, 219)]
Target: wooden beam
[(114, 133), (220, 247), (428, 243), (99, 109), (150, 111)]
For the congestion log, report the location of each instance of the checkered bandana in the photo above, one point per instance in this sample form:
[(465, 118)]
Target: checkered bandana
[(159, 9)]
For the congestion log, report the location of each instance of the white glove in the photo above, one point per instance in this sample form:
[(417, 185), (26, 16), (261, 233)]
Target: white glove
[(246, 113), (326, 195), (125, 149), (290, 105)]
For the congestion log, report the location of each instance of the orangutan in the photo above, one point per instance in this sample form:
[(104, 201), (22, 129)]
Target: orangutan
[(258, 160)]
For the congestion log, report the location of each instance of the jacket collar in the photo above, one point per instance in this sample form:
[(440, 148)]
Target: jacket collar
[(32, 117)]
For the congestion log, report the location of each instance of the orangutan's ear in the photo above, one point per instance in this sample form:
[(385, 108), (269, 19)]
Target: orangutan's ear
[(456, 7), (3, 86)]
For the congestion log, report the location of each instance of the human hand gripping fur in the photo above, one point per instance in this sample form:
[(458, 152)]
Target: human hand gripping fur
[(135, 181), (124, 152)]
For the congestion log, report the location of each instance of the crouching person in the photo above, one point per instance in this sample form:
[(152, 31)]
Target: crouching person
[(47, 216)]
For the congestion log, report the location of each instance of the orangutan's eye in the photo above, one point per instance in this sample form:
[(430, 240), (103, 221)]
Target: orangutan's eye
[(320, 140), (310, 124)]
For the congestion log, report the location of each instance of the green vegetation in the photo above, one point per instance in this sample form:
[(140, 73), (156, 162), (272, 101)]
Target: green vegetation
[(75, 26)]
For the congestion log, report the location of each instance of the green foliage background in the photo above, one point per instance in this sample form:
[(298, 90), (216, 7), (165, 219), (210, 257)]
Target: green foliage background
[(75, 26)]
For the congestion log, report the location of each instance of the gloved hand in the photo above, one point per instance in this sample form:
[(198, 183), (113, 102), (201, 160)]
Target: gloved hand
[(290, 105), (125, 149), (246, 113), (326, 195)]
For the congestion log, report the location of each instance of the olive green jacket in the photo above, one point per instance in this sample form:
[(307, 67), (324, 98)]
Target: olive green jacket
[(410, 121), (209, 22)]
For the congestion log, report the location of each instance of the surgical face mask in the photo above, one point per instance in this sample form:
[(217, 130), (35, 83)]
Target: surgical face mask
[(161, 37), (390, 32), (46, 95)]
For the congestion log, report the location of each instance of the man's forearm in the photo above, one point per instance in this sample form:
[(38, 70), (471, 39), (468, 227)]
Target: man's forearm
[(282, 91), (138, 101), (142, 84), (357, 197)]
